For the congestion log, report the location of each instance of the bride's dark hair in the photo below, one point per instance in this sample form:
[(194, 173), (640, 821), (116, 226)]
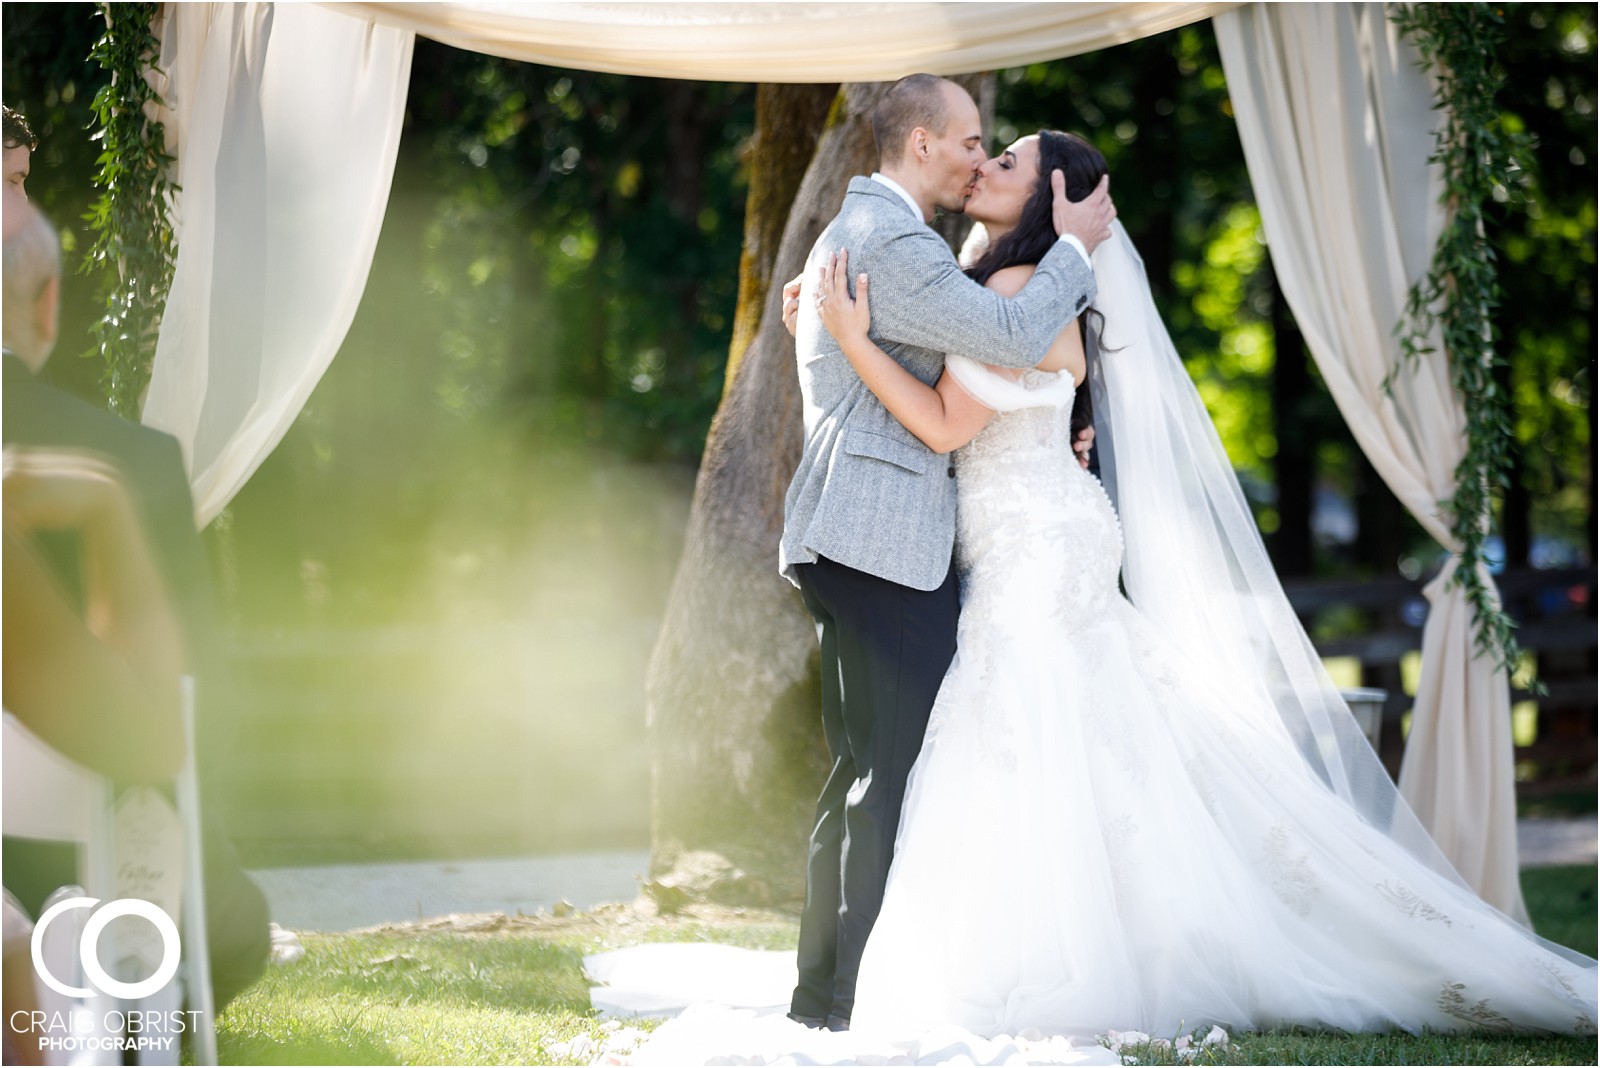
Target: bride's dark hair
[(1035, 234)]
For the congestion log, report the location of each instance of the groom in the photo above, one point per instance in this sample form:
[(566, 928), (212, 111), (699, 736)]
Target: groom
[(869, 519)]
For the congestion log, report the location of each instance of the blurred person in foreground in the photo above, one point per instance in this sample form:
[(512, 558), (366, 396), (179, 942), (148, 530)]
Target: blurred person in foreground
[(98, 681), (21, 995), (99, 684), (128, 486)]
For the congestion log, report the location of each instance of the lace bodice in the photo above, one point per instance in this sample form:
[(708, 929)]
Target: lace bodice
[(1044, 427), (1033, 527)]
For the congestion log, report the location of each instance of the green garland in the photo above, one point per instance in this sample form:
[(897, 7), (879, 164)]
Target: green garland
[(133, 234), (1460, 292)]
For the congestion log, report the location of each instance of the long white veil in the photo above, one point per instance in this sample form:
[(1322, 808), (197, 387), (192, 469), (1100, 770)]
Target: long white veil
[(1195, 564)]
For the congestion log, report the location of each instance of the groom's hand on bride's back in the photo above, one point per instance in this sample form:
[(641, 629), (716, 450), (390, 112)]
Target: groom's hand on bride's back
[(1089, 219), (1082, 445), (791, 305)]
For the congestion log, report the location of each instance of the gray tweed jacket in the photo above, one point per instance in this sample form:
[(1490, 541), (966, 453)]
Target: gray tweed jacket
[(867, 493)]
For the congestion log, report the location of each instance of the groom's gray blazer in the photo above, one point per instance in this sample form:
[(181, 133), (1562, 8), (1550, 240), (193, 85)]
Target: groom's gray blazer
[(867, 493)]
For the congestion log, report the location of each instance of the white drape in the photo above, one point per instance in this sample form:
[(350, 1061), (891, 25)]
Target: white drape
[(785, 42), (1337, 125), (285, 121)]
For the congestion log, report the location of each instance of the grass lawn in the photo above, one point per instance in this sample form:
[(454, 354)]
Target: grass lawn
[(511, 991)]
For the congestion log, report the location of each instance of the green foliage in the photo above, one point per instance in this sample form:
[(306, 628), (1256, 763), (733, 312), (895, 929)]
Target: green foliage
[(599, 220), (550, 305), (1478, 154), (132, 231), (1543, 232), (48, 77), (1234, 376)]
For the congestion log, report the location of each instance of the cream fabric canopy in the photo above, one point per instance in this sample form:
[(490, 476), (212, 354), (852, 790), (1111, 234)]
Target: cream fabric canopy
[(793, 42), (285, 123)]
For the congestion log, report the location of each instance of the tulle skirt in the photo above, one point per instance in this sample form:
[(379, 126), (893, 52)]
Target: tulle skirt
[(1093, 839)]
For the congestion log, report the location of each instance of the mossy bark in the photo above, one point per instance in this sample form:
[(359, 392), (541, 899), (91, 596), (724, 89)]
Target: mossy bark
[(789, 120)]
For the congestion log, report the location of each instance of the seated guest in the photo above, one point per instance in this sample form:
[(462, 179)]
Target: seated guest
[(99, 682), (149, 474)]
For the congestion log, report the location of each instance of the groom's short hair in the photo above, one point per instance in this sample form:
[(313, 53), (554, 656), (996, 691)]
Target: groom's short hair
[(17, 132), (915, 100)]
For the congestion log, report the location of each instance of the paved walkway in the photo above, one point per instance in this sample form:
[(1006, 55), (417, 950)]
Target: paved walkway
[(1546, 843), (341, 897)]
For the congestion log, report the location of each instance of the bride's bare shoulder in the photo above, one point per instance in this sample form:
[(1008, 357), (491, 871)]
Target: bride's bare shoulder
[(1008, 281)]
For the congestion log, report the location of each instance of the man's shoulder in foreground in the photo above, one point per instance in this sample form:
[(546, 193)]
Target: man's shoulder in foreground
[(40, 414), (37, 412)]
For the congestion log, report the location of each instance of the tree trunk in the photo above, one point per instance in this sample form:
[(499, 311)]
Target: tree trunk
[(1294, 465), (1382, 522), (1157, 147), (1594, 521), (732, 695), (789, 121), (1516, 512), (732, 698)]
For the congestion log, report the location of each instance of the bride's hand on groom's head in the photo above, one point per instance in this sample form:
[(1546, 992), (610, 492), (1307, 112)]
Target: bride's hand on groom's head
[(844, 317), (1088, 220)]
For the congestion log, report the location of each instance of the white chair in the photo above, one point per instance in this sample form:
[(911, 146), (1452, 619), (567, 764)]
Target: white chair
[(47, 796), (50, 798), (197, 955)]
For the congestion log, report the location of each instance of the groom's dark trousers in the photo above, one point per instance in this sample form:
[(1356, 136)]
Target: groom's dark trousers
[(885, 649)]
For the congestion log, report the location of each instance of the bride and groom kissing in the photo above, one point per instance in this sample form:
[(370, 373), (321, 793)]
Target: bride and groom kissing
[(1087, 772)]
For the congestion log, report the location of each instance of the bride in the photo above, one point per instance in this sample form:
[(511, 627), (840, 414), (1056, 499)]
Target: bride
[(1148, 811)]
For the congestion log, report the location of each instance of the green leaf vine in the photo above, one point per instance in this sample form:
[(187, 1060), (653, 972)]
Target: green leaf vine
[(133, 235), (1460, 292)]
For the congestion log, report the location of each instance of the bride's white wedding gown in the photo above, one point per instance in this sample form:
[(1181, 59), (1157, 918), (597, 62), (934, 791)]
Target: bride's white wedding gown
[(1151, 814), (1094, 838), (1102, 835)]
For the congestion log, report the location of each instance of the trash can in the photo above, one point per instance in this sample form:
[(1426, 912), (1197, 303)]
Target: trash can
[(1366, 705)]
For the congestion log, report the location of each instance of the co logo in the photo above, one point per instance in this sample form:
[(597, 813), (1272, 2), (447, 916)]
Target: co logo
[(89, 948)]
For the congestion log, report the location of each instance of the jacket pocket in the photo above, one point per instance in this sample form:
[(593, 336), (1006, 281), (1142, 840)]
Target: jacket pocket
[(915, 458)]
